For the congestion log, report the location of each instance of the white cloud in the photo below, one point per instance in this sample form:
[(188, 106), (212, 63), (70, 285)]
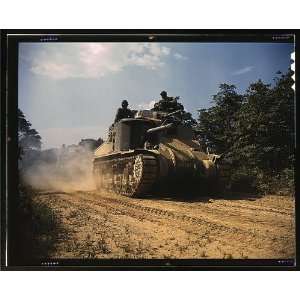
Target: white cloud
[(180, 56), (243, 70), (93, 60), (52, 69)]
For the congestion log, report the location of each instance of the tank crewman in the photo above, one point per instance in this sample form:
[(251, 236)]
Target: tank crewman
[(168, 104), (123, 112)]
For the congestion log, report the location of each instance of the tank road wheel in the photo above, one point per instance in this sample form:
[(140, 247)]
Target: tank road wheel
[(130, 176), (139, 175), (138, 168), (126, 181)]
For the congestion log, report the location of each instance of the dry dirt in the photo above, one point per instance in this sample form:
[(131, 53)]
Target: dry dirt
[(102, 225)]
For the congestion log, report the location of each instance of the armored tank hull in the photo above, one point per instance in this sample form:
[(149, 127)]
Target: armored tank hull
[(144, 153)]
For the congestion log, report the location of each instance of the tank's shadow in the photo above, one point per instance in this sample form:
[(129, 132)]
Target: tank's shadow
[(193, 197)]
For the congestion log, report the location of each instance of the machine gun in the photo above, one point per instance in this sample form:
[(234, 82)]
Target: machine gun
[(168, 121)]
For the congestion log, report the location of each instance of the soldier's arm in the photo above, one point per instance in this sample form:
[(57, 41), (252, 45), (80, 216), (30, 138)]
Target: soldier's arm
[(131, 113), (118, 115)]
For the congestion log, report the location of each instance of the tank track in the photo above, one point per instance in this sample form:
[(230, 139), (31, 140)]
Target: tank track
[(130, 176)]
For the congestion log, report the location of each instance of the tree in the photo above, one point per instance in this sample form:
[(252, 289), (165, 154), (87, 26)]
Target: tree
[(266, 124), (284, 114), (255, 132), (29, 138), (253, 125), (217, 124)]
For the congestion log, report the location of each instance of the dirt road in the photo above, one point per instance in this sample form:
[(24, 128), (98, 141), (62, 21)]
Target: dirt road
[(101, 225)]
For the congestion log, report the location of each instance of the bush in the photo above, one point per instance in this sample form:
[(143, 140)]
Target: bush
[(254, 180), (282, 184), (243, 180), (255, 134)]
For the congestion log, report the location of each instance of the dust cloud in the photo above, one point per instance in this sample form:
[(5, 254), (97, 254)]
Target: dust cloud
[(63, 169)]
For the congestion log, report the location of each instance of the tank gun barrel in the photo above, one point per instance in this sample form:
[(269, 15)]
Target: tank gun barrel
[(159, 128), (173, 113)]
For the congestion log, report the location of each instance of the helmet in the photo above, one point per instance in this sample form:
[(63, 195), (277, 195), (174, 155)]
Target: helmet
[(125, 103), (163, 93)]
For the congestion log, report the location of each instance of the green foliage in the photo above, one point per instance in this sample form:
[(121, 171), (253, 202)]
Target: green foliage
[(255, 133), (217, 124), (29, 138)]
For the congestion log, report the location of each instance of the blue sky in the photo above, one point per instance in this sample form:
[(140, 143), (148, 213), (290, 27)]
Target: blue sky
[(70, 91)]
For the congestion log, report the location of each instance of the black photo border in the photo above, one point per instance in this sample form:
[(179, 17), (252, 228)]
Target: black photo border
[(9, 162)]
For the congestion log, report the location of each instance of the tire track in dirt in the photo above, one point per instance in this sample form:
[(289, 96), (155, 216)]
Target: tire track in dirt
[(270, 233), (255, 208), (266, 221), (83, 204), (225, 204), (204, 219), (207, 228), (210, 229), (84, 229), (158, 212), (212, 225)]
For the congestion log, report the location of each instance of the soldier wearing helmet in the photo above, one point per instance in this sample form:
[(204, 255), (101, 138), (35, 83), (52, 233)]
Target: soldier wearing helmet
[(164, 95), (123, 112), (167, 104)]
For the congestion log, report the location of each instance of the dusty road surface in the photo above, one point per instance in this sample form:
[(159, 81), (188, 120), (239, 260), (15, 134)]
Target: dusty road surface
[(101, 225)]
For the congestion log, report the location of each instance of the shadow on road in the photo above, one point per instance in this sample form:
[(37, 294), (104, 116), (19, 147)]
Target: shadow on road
[(196, 197), (36, 231)]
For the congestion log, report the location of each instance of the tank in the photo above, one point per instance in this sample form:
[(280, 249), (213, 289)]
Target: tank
[(152, 151)]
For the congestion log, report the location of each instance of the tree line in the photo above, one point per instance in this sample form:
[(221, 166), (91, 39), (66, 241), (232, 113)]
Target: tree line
[(255, 134), (30, 142)]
